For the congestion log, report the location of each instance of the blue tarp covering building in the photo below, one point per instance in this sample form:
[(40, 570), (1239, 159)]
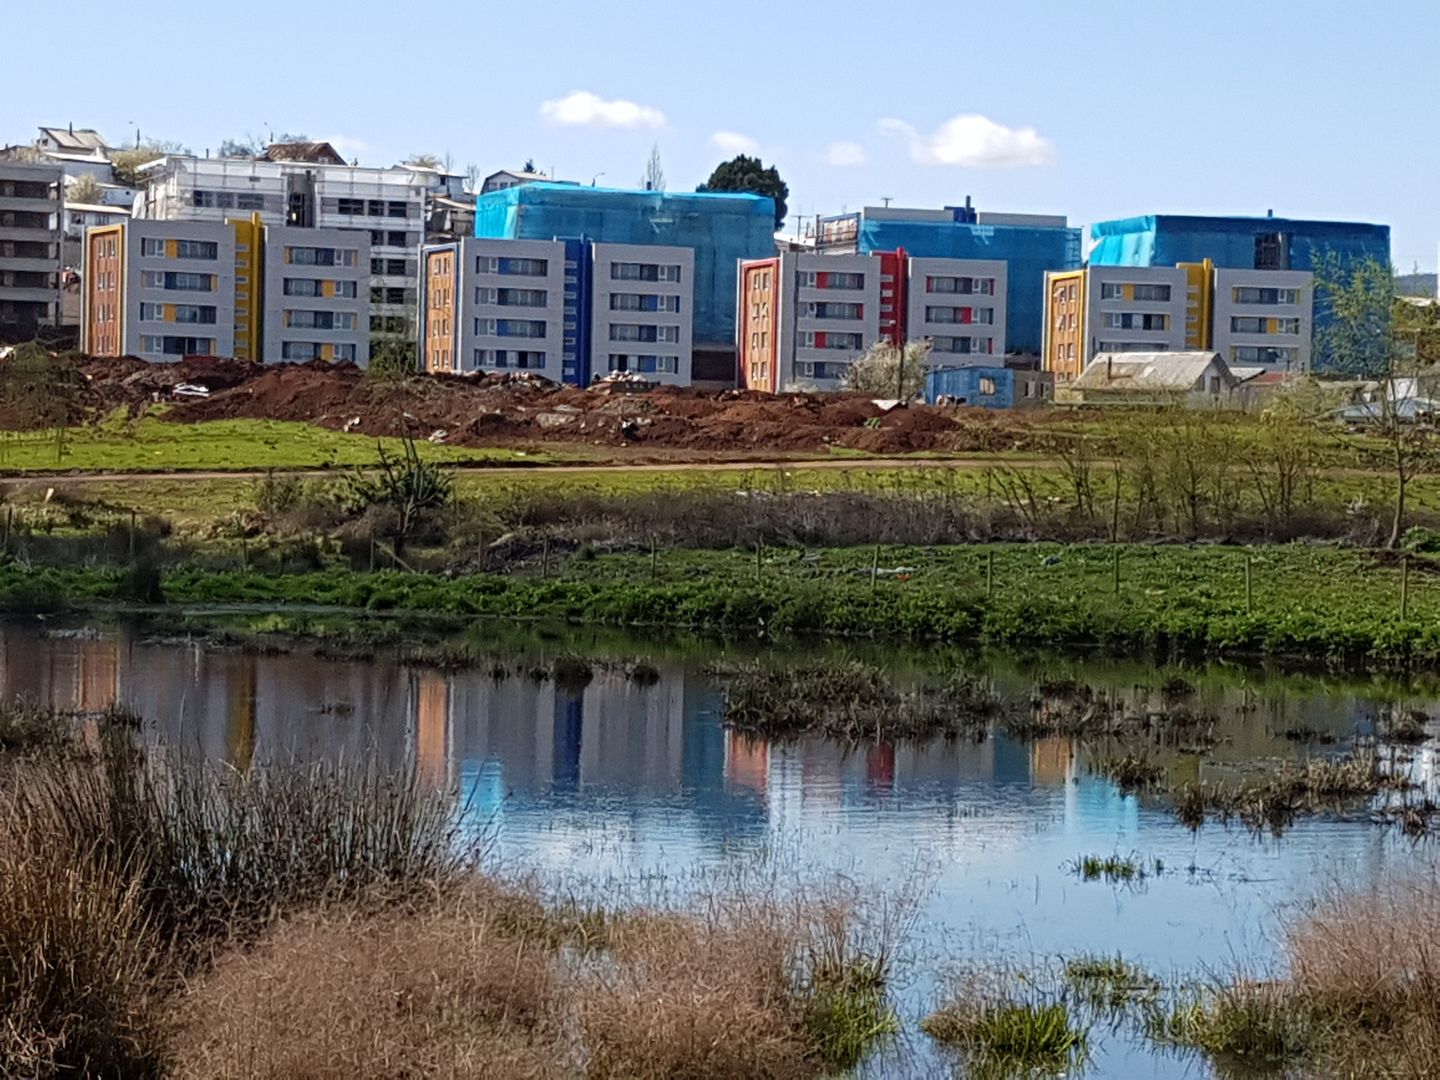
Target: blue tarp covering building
[(720, 227), (1233, 243), (988, 387), (1028, 251)]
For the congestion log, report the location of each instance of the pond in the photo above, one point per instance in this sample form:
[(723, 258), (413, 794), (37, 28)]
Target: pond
[(622, 779)]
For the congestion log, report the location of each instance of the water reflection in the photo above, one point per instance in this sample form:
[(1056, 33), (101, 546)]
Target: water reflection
[(614, 778)]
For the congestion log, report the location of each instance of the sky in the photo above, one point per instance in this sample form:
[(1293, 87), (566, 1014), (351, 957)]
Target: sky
[(1093, 109)]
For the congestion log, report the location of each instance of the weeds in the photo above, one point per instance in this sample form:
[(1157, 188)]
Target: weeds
[(1007, 1036), (1123, 869), (1109, 982), (1258, 1026)]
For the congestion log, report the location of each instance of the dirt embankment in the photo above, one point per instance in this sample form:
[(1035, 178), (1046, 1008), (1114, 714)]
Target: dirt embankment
[(501, 410)]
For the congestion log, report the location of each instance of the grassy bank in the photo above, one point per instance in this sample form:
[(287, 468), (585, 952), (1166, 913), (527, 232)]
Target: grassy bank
[(1317, 603)]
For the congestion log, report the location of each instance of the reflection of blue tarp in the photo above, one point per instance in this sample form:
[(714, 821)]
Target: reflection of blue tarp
[(1028, 251), (720, 227)]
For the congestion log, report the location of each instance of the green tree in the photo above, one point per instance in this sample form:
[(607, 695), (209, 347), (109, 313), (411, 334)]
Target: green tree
[(83, 189), (887, 371), (127, 163), (1356, 307), (744, 173)]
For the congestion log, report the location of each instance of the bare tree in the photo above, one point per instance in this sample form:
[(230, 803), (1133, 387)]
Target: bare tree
[(423, 161), (654, 178), (83, 189), (472, 178)]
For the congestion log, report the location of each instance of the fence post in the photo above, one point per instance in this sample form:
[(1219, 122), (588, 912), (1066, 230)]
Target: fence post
[(1249, 591), (545, 559), (9, 521), (1117, 568), (875, 568), (654, 560), (759, 551), (132, 536), (1404, 585), (990, 572)]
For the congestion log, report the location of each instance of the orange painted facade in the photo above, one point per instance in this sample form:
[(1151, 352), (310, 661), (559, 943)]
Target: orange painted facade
[(104, 300), (1065, 324), (760, 324), (440, 328)]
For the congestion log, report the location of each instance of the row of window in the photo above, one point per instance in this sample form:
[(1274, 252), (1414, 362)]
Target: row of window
[(495, 264), (1268, 355), (830, 279), (534, 298), (962, 346), (316, 350), (833, 309), (373, 208), (1256, 324), (526, 328), (156, 247), (321, 256), (960, 315), (644, 302), (383, 238), (634, 271), (820, 339), (983, 285), (320, 320), (509, 358), (632, 332), (182, 313), (346, 290), (172, 345), (1246, 294), (392, 267), (1115, 290), (177, 280), (1131, 346), (1131, 320), (820, 369), (228, 200), (645, 364)]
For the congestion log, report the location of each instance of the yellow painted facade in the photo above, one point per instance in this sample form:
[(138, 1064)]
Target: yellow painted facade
[(1199, 303), (1065, 330), (249, 263), (103, 329)]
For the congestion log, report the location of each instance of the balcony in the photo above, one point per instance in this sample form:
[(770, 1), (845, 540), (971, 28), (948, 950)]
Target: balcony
[(30, 205)]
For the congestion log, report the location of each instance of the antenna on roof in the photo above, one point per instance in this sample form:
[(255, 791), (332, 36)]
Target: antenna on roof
[(887, 199)]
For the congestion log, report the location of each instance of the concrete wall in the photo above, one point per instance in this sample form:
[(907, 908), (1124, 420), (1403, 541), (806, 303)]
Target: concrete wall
[(606, 322)]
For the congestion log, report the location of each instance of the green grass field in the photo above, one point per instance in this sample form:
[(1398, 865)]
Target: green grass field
[(154, 445)]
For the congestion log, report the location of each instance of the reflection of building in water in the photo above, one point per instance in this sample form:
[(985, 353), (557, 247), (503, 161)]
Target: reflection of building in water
[(432, 727), (880, 768), (569, 730), (1052, 761), (241, 726), (747, 762)]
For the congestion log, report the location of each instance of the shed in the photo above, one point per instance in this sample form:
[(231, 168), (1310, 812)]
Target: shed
[(1140, 378), (989, 387)]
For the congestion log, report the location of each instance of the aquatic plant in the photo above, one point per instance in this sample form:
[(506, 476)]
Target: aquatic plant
[(1131, 772), (1109, 982), (1115, 868), (999, 1036)]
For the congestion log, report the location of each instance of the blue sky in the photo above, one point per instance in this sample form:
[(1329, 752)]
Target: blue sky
[(1095, 109)]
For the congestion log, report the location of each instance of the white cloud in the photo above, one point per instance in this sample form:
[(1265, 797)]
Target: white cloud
[(844, 154), (973, 141), (581, 108), (732, 142)]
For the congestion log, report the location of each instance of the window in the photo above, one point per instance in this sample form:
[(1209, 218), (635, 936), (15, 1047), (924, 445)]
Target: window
[(645, 364), (962, 346), (248, 200), (831, 279), (1127, 320), (219, 199), (170, 279), (1264, 356), (1130, 346), (1270, 251), (168, 345), (984, 286), (301, 287), (196, 249), (314, 350), (987, 385), (526, 328), (834, 310), (321, 320), (968, 315), (350, 207), (510, 358), (632, 332), (313, 256), (490, 264), (644, 302), (631, 271), (820, 369), (1258, 324), (821, 339), (1114, 290), (1246, 294), (521, 297)]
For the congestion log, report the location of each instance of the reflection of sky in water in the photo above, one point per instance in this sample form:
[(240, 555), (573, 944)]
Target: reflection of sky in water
[(619, 782)]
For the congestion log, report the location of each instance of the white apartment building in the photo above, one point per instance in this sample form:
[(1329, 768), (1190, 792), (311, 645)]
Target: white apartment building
[(642, 311), (511, 309), (160, 290), (829, 316), (1264, 318), (959, 306), (30, 206), (315, 299), (388, 205)]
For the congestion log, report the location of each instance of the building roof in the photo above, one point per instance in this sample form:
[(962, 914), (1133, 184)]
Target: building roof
[(318, 153), (518, 174), (74, 139), (1170, 372), (100, 208)]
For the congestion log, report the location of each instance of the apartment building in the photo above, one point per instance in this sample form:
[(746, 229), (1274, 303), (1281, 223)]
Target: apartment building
[(316, 305), (959, 309), (1270, 251), (1253, 318), (641, 307), (386, 205), (1029, 245), (160, 290), (1264, 318), (804, 319), (566, 309), (30, 220)]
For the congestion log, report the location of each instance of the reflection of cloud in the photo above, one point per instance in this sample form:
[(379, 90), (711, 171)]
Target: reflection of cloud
[(581, 108), (732, 142), (843, 154), (973, 141)]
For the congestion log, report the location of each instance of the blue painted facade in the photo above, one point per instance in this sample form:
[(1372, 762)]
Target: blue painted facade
[(575, 351), (722, 228), (986, 387), (1028, 252)]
